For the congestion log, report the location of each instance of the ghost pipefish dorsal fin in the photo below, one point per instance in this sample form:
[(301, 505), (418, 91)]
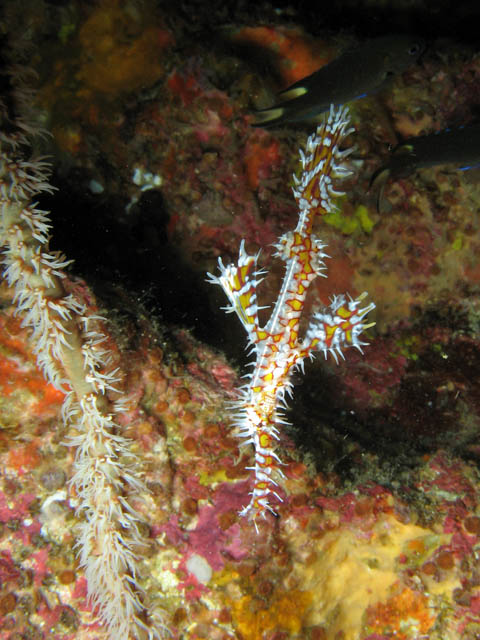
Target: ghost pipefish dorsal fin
[(354, 74)]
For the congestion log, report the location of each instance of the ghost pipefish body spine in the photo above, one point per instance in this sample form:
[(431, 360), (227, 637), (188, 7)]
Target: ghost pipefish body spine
[(278, 347)]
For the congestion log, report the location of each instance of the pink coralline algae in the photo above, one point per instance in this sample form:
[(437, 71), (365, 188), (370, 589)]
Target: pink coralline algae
[(210, 560)]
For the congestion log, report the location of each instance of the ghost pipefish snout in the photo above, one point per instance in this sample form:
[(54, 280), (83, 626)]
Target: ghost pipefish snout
[(356, 73), (459, 147)]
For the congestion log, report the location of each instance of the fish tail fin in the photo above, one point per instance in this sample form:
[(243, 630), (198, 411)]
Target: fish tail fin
[(292, 92), (268, 117), (279, 114), (379, 177), (378, 181)]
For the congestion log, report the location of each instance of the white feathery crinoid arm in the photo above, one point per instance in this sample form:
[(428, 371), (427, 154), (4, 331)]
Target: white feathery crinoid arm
[(76, 360)]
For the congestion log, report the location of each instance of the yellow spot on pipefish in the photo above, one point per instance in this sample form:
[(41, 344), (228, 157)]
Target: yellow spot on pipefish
[(344, 312)]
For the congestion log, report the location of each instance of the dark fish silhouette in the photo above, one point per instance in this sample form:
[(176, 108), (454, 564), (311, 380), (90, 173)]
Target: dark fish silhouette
[(355, 74), (460, 147)]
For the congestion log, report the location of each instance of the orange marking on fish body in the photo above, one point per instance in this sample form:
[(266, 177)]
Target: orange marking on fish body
[(277, 345)]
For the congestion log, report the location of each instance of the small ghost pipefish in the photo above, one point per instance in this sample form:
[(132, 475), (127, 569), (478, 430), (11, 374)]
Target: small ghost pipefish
[(278, 348)]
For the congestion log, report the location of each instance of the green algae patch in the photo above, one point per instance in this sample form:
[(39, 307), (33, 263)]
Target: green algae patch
[(360, 220)]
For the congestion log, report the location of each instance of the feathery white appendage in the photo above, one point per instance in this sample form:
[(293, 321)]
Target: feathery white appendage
[(70, 349), (109, 539), (106, 472)]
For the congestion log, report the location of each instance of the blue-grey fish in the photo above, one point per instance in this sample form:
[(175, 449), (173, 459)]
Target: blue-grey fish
[(459, 147), (355, 74)]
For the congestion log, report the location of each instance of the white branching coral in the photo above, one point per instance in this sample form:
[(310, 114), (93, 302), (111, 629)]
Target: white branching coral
[(70, 346)]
